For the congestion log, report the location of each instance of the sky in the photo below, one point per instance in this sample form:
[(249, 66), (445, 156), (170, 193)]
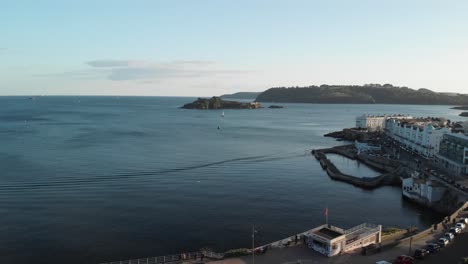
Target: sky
[(205, 48)]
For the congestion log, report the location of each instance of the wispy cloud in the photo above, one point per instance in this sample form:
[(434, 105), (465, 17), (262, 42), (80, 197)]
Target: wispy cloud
[(111, 63), (121, 70)]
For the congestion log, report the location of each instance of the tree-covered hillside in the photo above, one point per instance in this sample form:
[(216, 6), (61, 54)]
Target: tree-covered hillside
[(355, 94)]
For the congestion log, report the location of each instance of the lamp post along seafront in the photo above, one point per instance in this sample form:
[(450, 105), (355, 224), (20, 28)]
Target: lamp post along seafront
[(253, 244)]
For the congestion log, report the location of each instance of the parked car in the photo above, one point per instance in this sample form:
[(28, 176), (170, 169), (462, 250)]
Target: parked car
[(420, 253), (461, 226), (442, 242), (449, 236), (403, 259), (463, 220), (455, 230), (433, 248), (383, 262)]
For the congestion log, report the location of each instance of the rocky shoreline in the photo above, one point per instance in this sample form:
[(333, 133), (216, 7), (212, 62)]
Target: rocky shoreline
[(351, 134)]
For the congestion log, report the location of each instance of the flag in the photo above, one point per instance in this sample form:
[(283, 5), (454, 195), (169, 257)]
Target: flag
[(326, 211)]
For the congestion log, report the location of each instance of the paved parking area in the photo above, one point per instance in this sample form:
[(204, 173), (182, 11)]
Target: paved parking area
[(452, 253)]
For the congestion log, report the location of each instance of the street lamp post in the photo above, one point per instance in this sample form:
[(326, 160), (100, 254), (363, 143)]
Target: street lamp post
[(410, 242), (253, 244)]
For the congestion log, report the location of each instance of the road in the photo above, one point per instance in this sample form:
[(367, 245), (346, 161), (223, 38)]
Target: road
[(452, 253)]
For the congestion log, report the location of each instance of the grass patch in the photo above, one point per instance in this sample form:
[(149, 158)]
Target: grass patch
[(391, 230), (237, 252)]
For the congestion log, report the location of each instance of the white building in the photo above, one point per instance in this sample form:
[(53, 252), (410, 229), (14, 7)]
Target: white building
[(421, 136), (375, 122), (330, 240), (425, 191)]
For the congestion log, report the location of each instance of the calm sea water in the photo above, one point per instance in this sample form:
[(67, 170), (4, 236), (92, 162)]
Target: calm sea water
[(352, 167), (91, 179)]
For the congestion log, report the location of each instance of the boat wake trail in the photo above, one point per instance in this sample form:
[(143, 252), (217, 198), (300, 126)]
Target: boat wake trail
[(87, 180)]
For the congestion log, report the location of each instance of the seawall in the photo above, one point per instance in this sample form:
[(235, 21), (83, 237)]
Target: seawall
[(390, 175)]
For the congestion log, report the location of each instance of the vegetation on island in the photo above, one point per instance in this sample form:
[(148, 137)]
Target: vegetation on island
[(357, 94), (218, 103)]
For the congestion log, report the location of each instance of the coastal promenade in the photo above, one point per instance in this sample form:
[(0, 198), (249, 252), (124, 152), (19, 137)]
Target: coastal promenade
[(299, 253)]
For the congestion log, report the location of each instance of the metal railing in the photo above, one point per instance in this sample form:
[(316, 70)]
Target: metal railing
[(359, 227), (179, 258)]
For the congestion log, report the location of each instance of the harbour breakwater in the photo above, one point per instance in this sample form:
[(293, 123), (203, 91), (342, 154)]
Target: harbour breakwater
[(391, 170)]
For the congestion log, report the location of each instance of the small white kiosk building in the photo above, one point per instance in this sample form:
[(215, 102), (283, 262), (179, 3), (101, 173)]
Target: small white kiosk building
[(330, 240)]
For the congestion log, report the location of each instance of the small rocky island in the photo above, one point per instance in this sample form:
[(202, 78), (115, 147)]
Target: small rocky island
[(465, 114), (276, 106), (464, 107), (218, 103)]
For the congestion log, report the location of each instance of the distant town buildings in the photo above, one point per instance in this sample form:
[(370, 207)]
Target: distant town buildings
[(330, 240), (421, 190), (419, 135), (453, 154), (376, 122)]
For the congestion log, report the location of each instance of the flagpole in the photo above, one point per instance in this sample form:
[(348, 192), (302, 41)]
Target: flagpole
[(326, 215)]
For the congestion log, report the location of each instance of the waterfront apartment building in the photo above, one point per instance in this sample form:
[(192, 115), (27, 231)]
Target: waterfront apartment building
[(453, 154), (375, 122), (421, 135)]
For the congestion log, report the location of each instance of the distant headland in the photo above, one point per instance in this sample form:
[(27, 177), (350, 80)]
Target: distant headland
[(218, 103), (241, 95), (359, 94)]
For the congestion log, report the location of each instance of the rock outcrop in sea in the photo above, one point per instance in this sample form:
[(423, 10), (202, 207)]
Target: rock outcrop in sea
[(218, 103), (276, 106)]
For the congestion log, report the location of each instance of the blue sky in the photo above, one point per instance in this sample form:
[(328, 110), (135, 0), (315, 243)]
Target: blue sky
[(207, 48)]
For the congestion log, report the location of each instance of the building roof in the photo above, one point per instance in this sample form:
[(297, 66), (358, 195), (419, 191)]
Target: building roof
[(327, 233), (417, 180), (435, 184)]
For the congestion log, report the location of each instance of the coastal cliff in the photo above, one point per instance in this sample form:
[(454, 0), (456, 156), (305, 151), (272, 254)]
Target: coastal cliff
[(218, 103), (356, 94)]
